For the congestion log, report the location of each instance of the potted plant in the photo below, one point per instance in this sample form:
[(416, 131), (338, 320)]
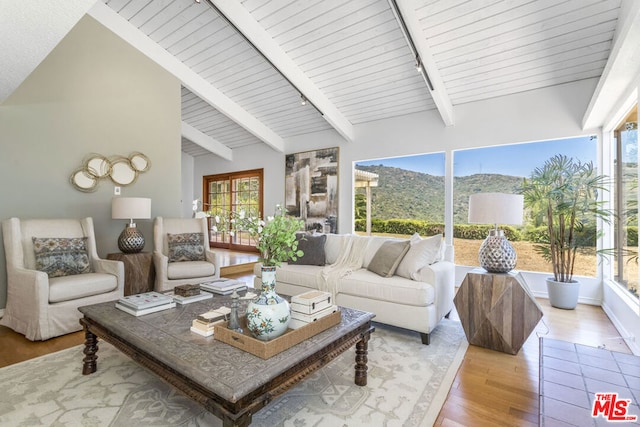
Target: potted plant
[(268, 315), (564, 192)]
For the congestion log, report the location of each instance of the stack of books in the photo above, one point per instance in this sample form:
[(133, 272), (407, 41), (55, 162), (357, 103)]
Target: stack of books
[(309, 307), (223, 286), (145, 303), (205, 322), (189, 299)]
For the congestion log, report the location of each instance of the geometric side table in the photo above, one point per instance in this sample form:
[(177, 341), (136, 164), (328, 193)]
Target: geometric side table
[(497, 310), (139, 273)]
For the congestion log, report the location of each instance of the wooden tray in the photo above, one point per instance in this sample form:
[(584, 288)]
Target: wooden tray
[(267, 349)]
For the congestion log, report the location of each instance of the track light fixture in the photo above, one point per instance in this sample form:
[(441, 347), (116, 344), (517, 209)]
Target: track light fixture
[(303, 100), (418, 64)]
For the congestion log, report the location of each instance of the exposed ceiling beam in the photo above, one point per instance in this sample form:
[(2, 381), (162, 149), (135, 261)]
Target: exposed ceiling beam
[(29, 31), (620, 73), (240, 17), (206, 142), (431, 73), (196, 84)]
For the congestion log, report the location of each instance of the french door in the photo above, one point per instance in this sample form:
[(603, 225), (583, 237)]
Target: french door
[(226, 195)]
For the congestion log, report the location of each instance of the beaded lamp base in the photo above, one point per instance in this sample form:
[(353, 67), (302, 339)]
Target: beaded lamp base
[(496, 253), (131, 241)]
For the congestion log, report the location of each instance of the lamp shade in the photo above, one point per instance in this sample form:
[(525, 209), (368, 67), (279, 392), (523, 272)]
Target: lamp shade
[(130, 208), (496, 208)]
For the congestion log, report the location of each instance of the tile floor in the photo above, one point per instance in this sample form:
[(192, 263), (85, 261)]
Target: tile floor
[(571, 375)]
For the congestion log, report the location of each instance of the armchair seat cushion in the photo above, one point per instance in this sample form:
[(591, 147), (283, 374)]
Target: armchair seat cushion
[(366, 284), (190, 269), (68, 288)]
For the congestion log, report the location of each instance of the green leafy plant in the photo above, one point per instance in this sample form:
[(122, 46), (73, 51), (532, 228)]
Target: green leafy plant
[(563, 196), (276, 237)]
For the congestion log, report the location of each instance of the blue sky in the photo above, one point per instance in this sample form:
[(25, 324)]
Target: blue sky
[(514, 159)]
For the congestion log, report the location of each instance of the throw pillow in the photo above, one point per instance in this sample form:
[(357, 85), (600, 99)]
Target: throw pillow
[(58, 256), (422, 252), (388, 257), (313, 247), (186, 247)]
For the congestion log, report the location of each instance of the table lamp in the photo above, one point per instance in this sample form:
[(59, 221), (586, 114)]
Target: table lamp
[(131, 240), (496, 253)]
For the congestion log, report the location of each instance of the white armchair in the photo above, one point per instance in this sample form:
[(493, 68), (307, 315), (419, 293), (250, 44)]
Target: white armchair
[(183, 261), (40, 306)]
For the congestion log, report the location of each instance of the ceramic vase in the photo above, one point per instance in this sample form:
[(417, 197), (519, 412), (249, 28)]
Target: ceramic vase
[(268, 315)]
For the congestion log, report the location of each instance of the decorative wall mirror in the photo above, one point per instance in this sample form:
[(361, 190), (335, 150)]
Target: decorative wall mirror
[(97, 165), (122, 173), (83, 181), (139, 162)]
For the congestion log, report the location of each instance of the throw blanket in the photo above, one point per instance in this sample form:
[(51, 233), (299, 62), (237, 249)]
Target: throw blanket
[(351, 258)]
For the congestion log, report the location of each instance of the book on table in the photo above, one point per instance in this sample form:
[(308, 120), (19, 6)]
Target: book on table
[(204, 324), (223, 286), (144, 311), (186, 300), (145, 300)]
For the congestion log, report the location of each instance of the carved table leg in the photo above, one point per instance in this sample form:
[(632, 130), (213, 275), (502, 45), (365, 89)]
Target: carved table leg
[(361, 360), (90, 349)]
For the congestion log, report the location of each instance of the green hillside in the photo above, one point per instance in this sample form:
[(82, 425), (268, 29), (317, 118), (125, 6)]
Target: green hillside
[(404, 194)]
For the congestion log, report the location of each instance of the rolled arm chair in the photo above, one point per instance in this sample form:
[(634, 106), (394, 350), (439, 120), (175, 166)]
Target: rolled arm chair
[(41, 307), (171, 272)]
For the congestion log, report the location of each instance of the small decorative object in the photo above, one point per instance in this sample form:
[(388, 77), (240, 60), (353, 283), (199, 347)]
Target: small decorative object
[(234, 322), (187, 290), (131, 240), (121, 170), (268, 315), (496, 254)]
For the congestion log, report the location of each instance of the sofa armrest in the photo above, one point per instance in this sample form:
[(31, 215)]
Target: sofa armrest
[(109, 266), (27, 299), (212, 257), (441, 275)]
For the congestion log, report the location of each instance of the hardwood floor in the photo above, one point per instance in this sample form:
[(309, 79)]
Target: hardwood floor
[(490, 389)]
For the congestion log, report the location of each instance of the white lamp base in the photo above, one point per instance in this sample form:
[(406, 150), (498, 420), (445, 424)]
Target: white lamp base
[(496, 253)]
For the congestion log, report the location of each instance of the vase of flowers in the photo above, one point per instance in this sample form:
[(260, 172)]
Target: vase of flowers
[(268, 315)]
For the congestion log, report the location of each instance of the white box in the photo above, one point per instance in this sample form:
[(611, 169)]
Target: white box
[(310, 302), (308, 318)]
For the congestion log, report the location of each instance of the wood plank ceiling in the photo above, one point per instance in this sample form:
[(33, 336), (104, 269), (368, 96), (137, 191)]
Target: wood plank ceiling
[(352, 56)]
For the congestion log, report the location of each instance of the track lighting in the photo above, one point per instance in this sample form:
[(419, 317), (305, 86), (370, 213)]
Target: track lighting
[(418, 64), (304, 100)]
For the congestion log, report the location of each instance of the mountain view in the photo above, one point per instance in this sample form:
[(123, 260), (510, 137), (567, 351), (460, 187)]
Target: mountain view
[(404, 194)]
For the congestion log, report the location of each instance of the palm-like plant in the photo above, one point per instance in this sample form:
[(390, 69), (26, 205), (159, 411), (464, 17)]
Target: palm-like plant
[(566, 190)]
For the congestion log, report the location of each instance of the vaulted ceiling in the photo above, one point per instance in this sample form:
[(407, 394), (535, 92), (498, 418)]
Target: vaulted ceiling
[(245, 66)]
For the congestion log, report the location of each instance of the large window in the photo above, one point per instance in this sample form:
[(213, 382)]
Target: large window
[(626, 202), (225, 194), (502, 169)]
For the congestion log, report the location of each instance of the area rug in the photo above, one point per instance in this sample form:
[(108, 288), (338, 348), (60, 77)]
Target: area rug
[(407, 385)]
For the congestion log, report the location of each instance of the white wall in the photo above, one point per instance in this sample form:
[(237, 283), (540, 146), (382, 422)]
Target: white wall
[(187, 162)]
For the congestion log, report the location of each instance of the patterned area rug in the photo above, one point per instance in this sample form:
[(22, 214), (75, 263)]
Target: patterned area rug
[(407, 385)]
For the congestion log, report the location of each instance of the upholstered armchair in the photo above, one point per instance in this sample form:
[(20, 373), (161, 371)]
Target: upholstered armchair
[(52, 269), (181, 253)]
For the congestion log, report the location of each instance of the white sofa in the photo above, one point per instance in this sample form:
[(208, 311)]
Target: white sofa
[(417, 301)]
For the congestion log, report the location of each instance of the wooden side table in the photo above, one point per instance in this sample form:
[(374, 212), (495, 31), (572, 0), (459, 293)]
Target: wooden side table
[(139, 273), (497, 310)]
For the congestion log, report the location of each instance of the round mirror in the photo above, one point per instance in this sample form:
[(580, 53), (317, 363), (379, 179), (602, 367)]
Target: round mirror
[(98, 166), (122, 173), (83, 181), (139, 162)]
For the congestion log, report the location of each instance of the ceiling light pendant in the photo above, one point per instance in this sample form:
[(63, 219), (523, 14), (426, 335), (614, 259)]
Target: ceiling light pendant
[(304, 100)]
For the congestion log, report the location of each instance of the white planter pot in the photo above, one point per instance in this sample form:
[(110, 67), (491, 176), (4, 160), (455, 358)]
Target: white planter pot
[(563, 294), (268, 315)]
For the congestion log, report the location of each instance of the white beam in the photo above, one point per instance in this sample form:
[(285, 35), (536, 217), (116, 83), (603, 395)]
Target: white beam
[(621, 71), (439, 92), (235, 12), (206, 142), (29, 31), (196, 84)]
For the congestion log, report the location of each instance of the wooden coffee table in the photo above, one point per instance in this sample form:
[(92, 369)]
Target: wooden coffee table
[(229, 382)]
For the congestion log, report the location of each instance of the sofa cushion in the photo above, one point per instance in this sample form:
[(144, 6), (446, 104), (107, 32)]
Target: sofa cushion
[(312, 245), (388, 257), (186, 247), (366, 284), (333, 247), (59, 256), (189, 269), (69, 288), (302, 275), (421, 252)]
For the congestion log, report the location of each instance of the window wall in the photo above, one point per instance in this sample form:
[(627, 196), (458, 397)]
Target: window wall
[(502, 169)]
